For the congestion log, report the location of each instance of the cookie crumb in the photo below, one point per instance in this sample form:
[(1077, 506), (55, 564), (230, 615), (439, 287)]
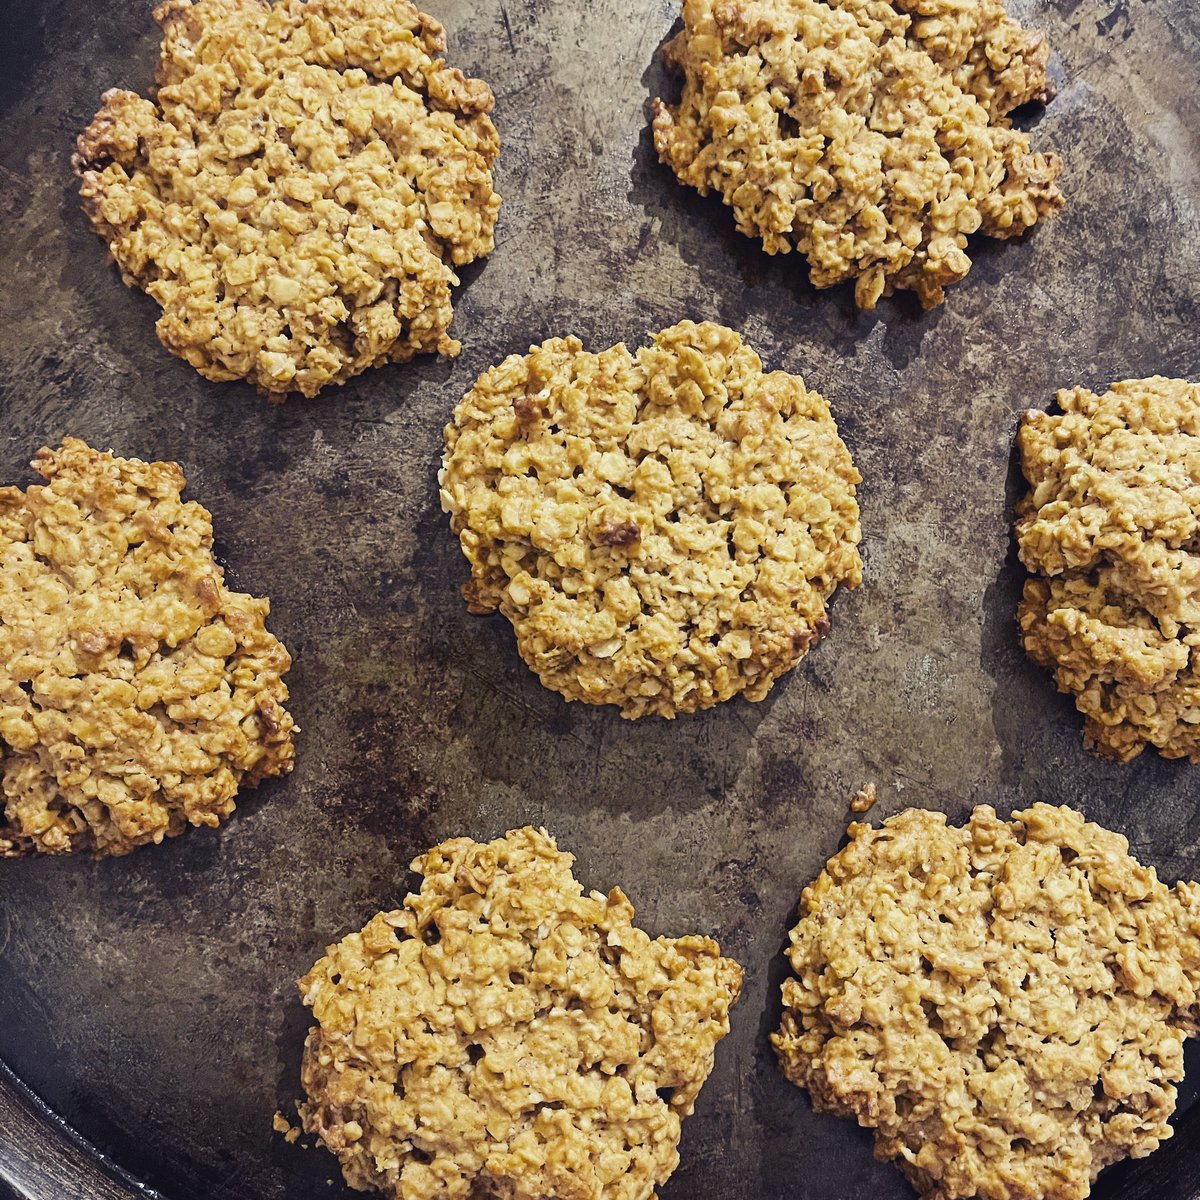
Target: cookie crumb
[(291, 1133), (864, 800)]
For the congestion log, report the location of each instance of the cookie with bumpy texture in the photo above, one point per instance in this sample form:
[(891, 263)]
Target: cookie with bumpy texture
[(300, 188), (663, 529), (137, 692), (1004, 1003), (870, 136), (1110, 527), (507, 1034)]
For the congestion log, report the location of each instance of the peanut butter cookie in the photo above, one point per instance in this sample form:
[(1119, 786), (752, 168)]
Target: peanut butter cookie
[(137, 692), (871, 136), (506, 1034), (298, 191), (1005, 1003), (663, 529), (1111, 528)]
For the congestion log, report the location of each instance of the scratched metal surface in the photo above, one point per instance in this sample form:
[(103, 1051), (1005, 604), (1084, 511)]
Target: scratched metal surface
[(149, 1001)]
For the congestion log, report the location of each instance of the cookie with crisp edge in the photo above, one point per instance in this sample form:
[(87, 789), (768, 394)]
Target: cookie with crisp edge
[(662, 528), (1005, 1003), (870, 138), (299, 189), (1110, 530), (138, 693), (506, 1033)]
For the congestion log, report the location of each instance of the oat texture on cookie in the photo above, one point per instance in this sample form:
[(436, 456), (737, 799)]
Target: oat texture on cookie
[(505, 1034), (137, 692), (1005, 1003), (298, 190), (870, 136), (663, 528), (1110, 530)]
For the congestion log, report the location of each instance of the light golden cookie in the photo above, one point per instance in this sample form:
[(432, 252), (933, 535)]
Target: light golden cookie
[(300, 188), (663, 529), (870, 136), (1005, 1003), (504, 1034), (137, 693), (1111, 524)]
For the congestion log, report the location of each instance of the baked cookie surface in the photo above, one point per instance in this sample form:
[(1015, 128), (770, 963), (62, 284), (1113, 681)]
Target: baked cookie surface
[(870, 136), (506, 1034), (663, 528), (137, 692), (1111, 528), (1005, 1003), (300, 188)]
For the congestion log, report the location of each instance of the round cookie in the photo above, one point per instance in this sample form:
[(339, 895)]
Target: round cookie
[(663, 529), (872, 137), (137, 692), (1004, 1003), (506, 1034), (1111, 526), (300, 188)]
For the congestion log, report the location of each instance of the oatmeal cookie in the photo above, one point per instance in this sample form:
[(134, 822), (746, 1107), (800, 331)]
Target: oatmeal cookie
[(1004, 1003), (872, 136), (1111, 530), (663, 529), (137, 692), (504, 1034), (298, 191)]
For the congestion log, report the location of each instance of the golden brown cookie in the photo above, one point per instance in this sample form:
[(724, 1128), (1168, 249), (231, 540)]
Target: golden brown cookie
[(1111, 529), (137, 693), (871, 136), (663, 529), (299, 189), (506, 1034), (1004, 1003)]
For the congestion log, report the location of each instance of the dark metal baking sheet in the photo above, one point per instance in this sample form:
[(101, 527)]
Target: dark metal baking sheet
[(149, 1003)]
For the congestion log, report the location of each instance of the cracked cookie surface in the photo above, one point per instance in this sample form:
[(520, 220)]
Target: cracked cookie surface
[(663, 528), (870, 136), (298, 191), (1004, 1003), (505, 1033), (1111, 529), (137, 692)]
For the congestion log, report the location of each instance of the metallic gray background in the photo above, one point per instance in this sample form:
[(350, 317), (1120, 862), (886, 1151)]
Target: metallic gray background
[(150, 1000)]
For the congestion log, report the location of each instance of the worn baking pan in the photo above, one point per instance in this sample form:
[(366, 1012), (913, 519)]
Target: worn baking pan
[(148, 1005)]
